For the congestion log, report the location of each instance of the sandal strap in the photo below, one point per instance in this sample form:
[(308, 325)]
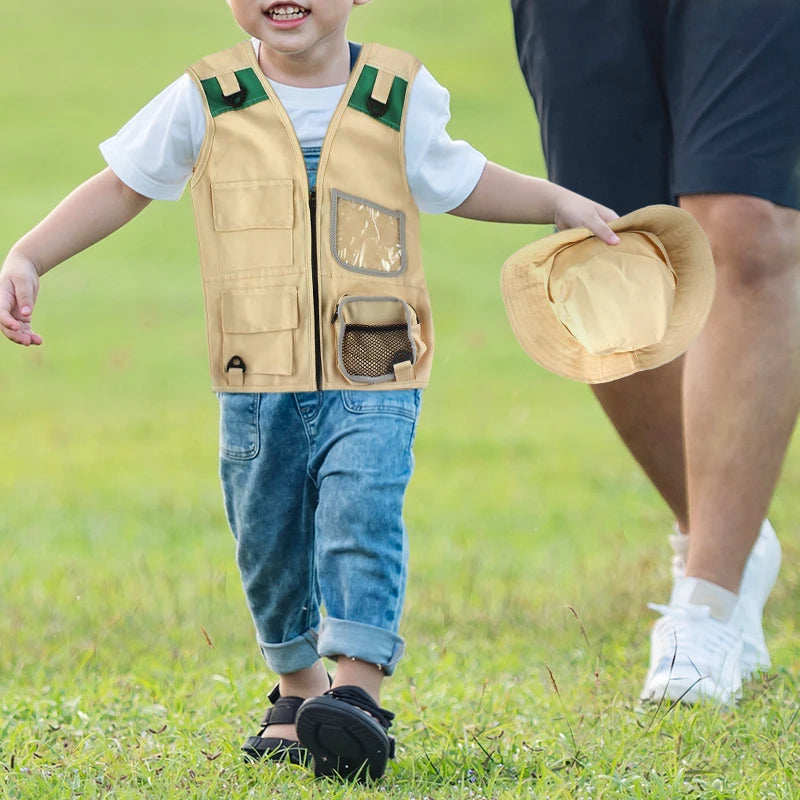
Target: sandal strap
[(284, 709), (356, 696), (284, 712), (275, 693)]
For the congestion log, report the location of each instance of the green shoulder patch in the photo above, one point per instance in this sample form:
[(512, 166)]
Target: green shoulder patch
[(360, 98), (251, 92)]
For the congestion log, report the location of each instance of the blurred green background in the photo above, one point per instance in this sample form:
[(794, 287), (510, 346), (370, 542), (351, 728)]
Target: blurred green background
[(535, 540)]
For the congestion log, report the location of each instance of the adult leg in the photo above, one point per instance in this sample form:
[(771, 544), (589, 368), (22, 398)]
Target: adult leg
[(649, 53), (742, 379), (736, 122), (742, 388), (646, 410), (741, 398)]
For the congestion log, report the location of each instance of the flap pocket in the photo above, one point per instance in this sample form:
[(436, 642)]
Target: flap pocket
[(244, 205), (258, 311), (258, 330)]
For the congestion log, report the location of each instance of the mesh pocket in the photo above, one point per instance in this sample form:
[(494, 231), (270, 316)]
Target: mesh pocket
[(375, 337), (371, 351)]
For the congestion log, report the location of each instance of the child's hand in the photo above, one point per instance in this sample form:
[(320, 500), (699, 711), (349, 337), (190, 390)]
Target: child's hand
[(574, 210), (19, 285)]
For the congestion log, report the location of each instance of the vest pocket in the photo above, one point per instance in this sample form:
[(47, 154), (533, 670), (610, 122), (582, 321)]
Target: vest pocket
[(375, 339), (254, 220), (258, 330), (366, 237)]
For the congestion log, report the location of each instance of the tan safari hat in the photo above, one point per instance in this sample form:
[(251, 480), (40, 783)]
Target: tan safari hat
[(596, 312)]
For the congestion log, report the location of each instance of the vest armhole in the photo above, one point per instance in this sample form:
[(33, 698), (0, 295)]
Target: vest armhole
[(205, 149), (413, 74)]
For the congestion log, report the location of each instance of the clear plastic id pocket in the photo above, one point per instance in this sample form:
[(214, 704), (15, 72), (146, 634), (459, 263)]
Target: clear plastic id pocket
[(375, 339), (366, 237)]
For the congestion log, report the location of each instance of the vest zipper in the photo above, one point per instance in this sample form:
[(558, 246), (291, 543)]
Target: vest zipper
[(312, 207)]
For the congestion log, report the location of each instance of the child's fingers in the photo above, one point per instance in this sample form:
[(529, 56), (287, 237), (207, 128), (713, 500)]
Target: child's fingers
[(21, 335), (607, 214), (24, 291), (602, 231), (7, 322), (17, 298), (608, 236), (15, 329)]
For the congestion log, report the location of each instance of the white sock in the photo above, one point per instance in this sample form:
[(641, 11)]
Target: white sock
[(699, 592), (679, 541)]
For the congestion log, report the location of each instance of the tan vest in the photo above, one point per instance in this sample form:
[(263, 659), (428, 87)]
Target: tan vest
[(320, 290)]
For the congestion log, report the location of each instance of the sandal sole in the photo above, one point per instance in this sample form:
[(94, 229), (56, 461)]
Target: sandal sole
[(270, 748), (344, 740)]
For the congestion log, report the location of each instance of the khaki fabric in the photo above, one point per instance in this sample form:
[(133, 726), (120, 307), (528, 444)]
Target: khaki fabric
[(596, 312), (273, 319)]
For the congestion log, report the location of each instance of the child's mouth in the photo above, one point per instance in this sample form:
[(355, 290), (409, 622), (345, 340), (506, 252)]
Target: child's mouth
[(286, 12)]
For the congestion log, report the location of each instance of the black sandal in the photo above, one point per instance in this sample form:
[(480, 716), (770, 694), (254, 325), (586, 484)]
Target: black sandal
[(345, 732), (282, 712)]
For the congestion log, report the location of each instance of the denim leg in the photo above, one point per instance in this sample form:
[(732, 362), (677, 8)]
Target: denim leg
[(362, 461), (269, 502)]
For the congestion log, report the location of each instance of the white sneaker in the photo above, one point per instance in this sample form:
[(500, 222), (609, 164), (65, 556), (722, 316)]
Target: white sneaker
[(758, 578), (693, 658)]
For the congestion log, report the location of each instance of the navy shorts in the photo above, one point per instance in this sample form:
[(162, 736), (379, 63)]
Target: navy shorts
[(641, 101)]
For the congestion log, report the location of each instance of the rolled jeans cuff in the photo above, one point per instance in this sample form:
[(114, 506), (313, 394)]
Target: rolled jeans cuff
[(298, 653), (338, 637)]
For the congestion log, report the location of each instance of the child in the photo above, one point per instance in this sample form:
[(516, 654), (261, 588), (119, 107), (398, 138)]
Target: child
[(309, 158)]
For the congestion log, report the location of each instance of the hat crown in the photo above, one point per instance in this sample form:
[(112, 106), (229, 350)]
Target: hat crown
[(670, 275), (613, 299)]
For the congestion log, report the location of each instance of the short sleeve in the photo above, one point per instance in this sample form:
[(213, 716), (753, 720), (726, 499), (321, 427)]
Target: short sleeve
[(154, 152), (442, 172)]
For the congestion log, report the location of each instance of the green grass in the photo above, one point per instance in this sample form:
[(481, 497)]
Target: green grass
[(127, 662)]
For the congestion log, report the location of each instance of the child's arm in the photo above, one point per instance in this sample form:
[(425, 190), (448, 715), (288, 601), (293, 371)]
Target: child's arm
[(90, 213), (505, 196)]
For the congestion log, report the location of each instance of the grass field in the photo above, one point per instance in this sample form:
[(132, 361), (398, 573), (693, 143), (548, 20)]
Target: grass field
[(127, 662)]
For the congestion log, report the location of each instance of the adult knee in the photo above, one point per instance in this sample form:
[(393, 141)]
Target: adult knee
[(755, 242)]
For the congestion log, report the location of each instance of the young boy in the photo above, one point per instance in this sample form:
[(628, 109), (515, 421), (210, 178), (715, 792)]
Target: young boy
[(309, 158)]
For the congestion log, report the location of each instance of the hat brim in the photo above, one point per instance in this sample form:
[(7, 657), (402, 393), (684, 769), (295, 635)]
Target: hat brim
[(551, 345)]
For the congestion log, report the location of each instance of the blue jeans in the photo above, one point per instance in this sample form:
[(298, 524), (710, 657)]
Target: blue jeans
[(313, 484)]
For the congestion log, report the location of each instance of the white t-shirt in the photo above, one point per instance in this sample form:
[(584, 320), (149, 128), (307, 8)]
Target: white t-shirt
[(154, 153)]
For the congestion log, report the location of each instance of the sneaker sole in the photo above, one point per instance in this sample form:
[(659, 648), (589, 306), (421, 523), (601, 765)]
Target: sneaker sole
[(688, 692)]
